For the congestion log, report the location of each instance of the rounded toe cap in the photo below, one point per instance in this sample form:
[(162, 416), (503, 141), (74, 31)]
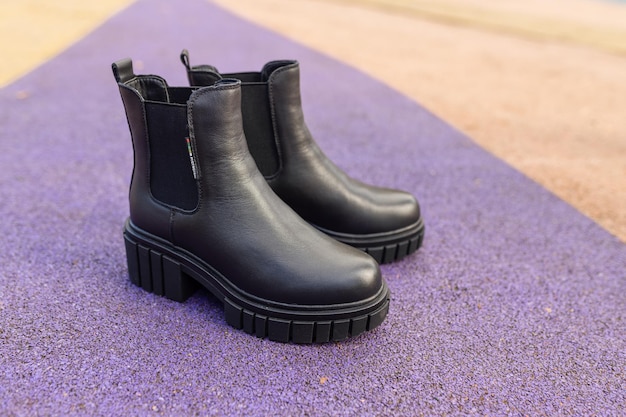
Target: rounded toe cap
[(384, 210), (401, 209), (332, 275)]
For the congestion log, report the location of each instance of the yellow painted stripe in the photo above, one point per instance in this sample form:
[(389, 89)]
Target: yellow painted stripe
[(33, 31)]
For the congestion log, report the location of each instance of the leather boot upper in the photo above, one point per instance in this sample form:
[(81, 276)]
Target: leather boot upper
[(233, 221), (302, 175)]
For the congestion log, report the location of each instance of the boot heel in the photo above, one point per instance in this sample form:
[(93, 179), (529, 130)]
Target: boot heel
[(157, 273)]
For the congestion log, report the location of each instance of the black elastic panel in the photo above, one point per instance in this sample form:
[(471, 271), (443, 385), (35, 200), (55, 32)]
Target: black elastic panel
[(202, 78), (179, 95), (245, 77), (257, 125), (171, 177)]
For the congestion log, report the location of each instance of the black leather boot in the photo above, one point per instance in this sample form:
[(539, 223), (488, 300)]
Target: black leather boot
[(385, 223), (202, 213)]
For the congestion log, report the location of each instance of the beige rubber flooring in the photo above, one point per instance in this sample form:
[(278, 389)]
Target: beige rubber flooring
[(541, 84)]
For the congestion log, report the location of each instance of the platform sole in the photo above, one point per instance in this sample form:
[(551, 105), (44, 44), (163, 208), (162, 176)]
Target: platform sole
[(385, 247), (163, 269)]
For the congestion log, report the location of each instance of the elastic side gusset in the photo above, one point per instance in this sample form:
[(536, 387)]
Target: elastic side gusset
[(202, 78), (258, 128), (171, 176), (179, 95)]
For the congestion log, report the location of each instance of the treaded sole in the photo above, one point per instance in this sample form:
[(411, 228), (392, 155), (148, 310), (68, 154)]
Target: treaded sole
[(159, 270), (386, 248), (396, 251)]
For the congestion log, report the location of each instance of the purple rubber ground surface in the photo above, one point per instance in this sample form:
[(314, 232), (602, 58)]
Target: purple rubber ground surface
[(515, 305)]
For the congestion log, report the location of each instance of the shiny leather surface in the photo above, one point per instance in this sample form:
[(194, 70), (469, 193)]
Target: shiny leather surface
[(314, 186), (310, 182), (146, 211), (240, 227)]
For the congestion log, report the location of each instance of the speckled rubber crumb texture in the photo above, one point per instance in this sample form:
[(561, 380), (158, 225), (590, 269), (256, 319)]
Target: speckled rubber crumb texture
[(513, 306)]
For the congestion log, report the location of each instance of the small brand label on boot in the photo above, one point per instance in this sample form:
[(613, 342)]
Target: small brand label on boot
[(194, 170)]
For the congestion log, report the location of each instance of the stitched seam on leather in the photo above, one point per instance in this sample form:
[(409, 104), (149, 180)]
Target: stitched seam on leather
[(161, 80), (277, 138), (172, 239), (120, 85), (147, 140), (192, 136)]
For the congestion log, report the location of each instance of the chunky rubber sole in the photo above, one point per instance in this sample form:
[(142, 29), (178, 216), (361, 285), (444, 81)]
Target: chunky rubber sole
[(385, 247), (163, 269)]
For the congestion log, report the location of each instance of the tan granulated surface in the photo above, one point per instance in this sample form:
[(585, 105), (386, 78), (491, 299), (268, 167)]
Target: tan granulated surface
[(540, 84), (33, 31), (545, 90)]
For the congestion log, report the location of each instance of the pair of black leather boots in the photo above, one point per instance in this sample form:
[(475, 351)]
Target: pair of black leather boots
[(230, 191)]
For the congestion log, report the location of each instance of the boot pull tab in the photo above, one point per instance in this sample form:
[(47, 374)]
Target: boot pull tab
[(184, 58), (123, 70)]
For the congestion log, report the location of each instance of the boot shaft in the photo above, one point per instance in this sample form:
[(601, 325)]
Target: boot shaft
[(157, 118), (385, 222), (169, 162), (272, 107)]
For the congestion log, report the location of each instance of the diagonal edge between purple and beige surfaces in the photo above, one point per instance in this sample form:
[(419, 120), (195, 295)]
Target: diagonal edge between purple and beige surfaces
[(514, 305)]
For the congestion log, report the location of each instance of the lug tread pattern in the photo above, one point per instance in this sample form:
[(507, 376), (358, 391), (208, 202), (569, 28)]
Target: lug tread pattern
[(159, 274), (395, 252), (156, 273), (301, 332)]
